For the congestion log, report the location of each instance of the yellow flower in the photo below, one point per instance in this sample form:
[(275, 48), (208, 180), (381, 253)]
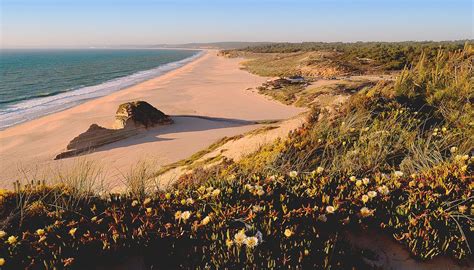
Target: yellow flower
[(365, 212), (201, 189), (209, 189), (229, 243), (412, 183), (72, 231), (168, 196), (206, 220), (365, 198), (444, 129), (183, 201), (358, 183), (365, 181), (293, 174), (330, 209), (352, 178), (177, 215), (185, 215), (256, 208), (94, 219), (2, 234), (462, 208), (260, 192), (319, 170), (146, 201), (251, 242), (306, 252), (216, 192), (189, 201), (372, 194), (134, 203), (149, 210), (2, 261), (40, 232), (240, 237), (288, 233), (12, 240), (463, 168)]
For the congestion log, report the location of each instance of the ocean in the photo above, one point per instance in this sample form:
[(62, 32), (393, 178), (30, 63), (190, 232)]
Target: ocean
[(34, 83)]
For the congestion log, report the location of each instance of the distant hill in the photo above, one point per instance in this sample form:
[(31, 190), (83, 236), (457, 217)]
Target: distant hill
[(215, 45)]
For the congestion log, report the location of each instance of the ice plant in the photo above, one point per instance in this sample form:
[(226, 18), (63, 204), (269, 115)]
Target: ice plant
[(72, 231), (240, 237), (146, 201), (293, 174), (330, 209), (365, 181), (251, 242), (365, 212), (365, 198), (185, 215), (216, 192), (12, 240), (372, 194), (319, 170), (206, 220)]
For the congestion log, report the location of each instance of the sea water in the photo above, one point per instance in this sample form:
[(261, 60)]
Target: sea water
[(34, 83)]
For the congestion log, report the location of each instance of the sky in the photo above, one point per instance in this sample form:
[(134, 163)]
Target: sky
[(85, 23)]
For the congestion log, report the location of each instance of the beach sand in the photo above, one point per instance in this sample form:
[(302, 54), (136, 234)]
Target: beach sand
[(207, 99)]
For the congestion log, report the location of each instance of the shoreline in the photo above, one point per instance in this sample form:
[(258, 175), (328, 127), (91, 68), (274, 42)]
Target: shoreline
[(210, 86), (101, 92)]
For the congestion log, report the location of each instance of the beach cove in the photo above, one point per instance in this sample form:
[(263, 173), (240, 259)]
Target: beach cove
[(207, 99)]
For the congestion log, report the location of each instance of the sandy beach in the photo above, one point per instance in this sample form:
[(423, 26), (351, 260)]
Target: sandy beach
[(206, 98)]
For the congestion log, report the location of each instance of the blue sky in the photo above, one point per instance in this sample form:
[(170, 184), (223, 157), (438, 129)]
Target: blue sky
[(79, 23)]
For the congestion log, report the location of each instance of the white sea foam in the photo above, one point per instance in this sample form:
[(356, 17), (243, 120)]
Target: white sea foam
[(34, 108)]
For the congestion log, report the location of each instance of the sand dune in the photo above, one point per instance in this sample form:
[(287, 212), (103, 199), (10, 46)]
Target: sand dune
[(206, 98)]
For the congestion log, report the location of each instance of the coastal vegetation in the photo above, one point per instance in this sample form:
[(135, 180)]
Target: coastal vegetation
[(396, 158)]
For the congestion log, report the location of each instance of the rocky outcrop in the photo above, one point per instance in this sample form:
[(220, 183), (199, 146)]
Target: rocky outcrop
[(139, 114), (131, 118)]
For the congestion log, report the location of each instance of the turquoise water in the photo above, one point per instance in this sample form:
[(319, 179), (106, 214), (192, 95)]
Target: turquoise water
[(38, 82)]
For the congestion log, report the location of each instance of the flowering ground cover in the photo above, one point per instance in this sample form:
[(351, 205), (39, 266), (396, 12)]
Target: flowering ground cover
[(397, 158)]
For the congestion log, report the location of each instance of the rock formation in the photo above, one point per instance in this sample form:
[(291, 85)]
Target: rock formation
[(131, 118)]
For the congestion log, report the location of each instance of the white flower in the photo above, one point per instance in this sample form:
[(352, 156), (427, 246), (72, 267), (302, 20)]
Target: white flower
[(453, 149), (251, 242), (185, 215), (240, 237), (372, 194), (366, 181), (189, 201), (365, 212), (293, 174), (330, 209), (384, 189)]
